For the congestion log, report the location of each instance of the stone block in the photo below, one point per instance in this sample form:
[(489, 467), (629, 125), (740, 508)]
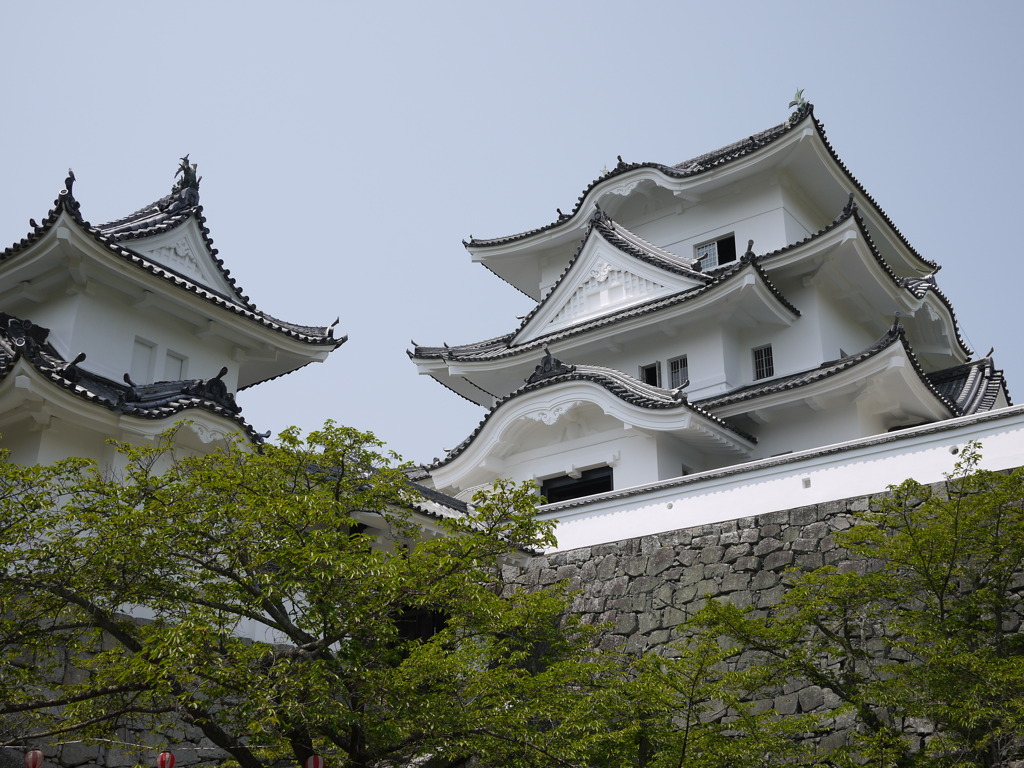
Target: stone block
[(672, 617), (815, 530), (626, 625), (635, 565), (77, 753), (735, 552), (729, 537), (741, 599), (786, 704), (660, 560), (649, 621), (779, 559), (617, 586), (692, 575), (607, 568), (566, 572), (767, 546), (749, 563), (684, 595), (735, 581), (770, 597), (764, 580), (716, 571), (811, 698), (688, 557), (810, 561), (803, 515), (712, 554)]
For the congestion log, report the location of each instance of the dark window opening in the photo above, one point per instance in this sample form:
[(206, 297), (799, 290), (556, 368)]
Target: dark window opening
[(419, 623), (717, 252), (651, 374), (564, 487)]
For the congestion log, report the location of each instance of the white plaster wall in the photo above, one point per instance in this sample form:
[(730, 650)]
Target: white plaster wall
[(751, 211), (104, 326), (631, 454), (840, 471)]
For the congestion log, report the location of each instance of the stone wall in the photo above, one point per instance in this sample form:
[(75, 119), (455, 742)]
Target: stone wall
[(644, 588)]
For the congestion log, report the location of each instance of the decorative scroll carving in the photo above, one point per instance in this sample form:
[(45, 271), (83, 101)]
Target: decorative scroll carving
[(178, 256), (205, 434), (550, 415), (601, 271), (624, 189)]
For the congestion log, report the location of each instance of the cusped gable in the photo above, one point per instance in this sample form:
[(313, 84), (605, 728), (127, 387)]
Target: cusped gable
[(612, 271)]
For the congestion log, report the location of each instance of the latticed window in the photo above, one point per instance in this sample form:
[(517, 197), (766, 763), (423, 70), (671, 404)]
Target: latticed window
[(678, 372), (717, 252), (764, 365)]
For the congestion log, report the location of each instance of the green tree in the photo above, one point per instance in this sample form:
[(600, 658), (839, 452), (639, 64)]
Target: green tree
[(154, 582), (919, 636)]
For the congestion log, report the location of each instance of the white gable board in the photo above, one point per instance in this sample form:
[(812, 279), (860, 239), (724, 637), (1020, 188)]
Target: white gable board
[(601, 280), (183, 250)]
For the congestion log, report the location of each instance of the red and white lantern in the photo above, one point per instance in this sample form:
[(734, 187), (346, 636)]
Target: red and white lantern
[(33, 759), (165, 759), (314, 761)]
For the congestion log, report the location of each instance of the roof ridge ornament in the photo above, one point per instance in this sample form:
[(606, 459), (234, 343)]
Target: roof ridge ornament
[(897, 326), (848, 210), (68, 196), (749, 256), (549, 367), (803, 106), (600, 216), (187, 187)]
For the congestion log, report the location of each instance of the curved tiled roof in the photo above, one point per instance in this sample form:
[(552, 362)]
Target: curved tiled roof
[(918, 287), (974, 386), (826, 370), (22, 340), (502, 346), (162, 216), (706, 162), (619, 384)]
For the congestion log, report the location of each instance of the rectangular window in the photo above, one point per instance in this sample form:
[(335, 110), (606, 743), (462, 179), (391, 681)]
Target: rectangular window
[(143, 355), (678, 372), (589, 482), (651, 374), (174, 367), (717, 252), (764, 365)]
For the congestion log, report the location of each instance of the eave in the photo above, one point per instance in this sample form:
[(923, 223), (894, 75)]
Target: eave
[(66, 251), (884, 378), (740, 295), (542, 403), (799, 146)]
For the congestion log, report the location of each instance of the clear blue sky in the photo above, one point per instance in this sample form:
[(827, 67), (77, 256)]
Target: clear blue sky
[(346, 149)]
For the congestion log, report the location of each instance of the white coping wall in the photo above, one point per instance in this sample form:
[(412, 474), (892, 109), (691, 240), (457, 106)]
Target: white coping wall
[(855, 468)]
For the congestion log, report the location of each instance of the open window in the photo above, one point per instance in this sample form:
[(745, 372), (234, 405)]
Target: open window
[(716, 252), (565, 487), (651, 374)]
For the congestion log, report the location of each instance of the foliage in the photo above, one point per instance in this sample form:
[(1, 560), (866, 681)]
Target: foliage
[(243, 594), (262, 613), (919, 635)]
